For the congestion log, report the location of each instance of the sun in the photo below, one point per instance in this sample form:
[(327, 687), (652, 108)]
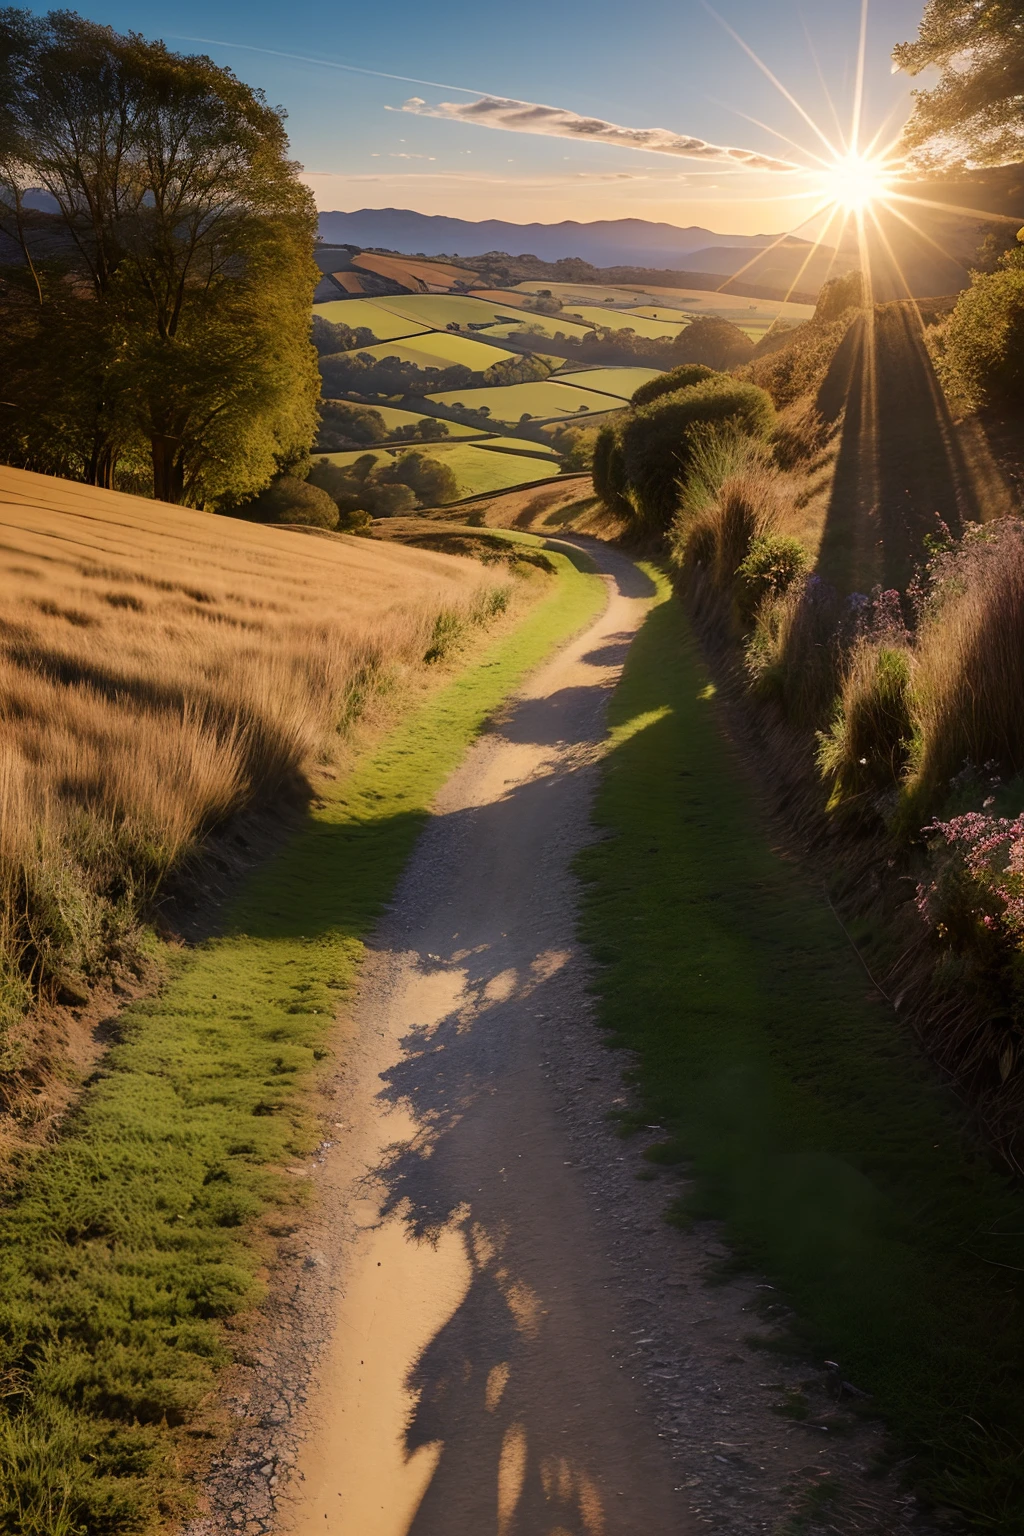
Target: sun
[(853, 182)]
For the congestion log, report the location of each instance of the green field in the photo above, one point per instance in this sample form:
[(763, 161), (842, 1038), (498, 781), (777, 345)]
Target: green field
[(541, 325), (666, 303), (478, 467), (730, 305), (362, 312), (517, 445), (620, 319), (579, 293), (619, 382), (441, 349), (441, 309), (509, 402)]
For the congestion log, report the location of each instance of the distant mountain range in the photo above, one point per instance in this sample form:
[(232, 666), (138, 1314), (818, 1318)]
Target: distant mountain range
[(604, 243)]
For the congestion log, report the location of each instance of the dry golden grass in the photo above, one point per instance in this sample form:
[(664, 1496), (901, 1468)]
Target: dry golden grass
[(160, 668)]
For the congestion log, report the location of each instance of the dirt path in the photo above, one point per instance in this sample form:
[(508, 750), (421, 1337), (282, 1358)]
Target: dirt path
[(472, 1384), (488, 1329)]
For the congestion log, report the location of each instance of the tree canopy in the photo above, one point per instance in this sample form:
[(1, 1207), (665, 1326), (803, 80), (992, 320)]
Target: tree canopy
[(179, 257), (976, 111)]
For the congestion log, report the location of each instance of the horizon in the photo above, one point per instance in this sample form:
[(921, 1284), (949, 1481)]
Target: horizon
[(670, 119)]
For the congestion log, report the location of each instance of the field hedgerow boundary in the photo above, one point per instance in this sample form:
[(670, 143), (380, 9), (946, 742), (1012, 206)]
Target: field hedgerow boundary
[(129, 1241), (840, 1165)]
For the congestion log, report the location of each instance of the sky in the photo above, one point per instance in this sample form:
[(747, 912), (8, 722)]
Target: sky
[(446, 136)]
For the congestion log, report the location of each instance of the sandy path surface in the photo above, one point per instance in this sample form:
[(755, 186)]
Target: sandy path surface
[(471, 1384)]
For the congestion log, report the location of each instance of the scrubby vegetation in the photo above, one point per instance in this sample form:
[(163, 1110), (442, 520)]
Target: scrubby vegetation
[(903, 707), (641, 462), (980, 347)]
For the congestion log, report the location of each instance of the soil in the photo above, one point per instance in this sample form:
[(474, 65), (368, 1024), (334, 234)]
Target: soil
[(489, 1326)]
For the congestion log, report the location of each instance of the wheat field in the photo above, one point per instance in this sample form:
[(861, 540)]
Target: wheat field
[(161, 668)]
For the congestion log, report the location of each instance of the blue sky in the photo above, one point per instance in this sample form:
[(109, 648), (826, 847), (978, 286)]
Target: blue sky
[(651, 64)]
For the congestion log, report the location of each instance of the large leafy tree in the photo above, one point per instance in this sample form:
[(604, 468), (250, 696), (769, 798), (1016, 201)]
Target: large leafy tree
[(182, 232), (976, 111)]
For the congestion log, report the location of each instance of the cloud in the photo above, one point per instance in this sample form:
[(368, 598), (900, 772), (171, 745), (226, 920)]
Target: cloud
[(558, 122)]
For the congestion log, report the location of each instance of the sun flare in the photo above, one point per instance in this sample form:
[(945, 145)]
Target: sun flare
[(854, 182)]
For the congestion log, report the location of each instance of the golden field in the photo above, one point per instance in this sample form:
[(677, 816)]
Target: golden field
[(161, 668)]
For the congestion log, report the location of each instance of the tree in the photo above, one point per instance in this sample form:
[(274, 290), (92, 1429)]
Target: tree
[(431, 482), (975, 110), (288, 500), (982, 343), (184, 226)]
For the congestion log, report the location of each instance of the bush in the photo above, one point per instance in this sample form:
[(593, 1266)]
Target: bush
[(869, 745), (609, 470), (982, 356), (771, 565), (287, 500), (667, 383), (839, 295), (715, 342), (658, 441), (795, 652), (348, 426), (432, 482)]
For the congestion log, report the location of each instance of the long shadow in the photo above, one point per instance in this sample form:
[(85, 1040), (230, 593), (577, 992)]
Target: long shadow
[(901, 472)]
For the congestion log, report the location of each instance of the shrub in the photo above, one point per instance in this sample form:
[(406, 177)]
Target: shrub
[(715, 342), (869, 745), (970, 675), (287, 500), (795, 652), (432, 482), (657, 441), (609, 470), (982, 357), (771, 565), (348, 426), (683, 377), (837, 296)]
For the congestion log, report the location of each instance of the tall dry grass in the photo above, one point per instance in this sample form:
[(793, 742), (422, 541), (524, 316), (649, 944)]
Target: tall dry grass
[(161, 668), (969, 680)]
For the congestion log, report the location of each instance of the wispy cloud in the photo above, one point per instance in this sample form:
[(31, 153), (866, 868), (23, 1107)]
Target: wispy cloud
[(559, 122)]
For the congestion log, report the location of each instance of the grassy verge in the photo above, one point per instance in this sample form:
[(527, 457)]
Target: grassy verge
[(838, 1162), (129, 1242)]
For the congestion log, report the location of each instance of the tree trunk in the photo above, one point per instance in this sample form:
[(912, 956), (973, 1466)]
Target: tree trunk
[(168, 468)]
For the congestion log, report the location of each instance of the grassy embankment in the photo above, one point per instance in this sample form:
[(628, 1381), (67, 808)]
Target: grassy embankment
[(838, 1162), (129, 1241)]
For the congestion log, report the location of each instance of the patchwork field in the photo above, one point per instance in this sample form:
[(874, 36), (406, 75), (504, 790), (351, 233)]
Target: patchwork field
[(493, 464), (365, 312), (439, 310), (541, 325), (415, 329), (653, 303), (618, 320), (618, 382), (542, 401), (441, 349)]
